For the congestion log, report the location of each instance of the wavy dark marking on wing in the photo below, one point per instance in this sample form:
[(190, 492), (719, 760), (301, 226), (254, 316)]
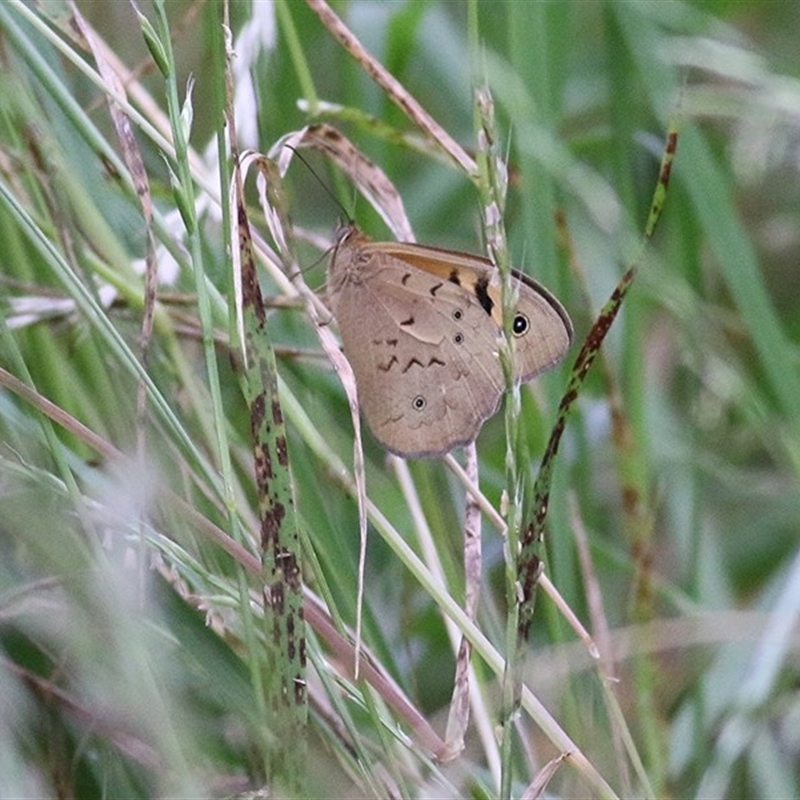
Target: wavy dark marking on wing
[(481, 293), (453, 277), (409, 321), (435, 289), (404, 279), (388, 365), (432, 362)]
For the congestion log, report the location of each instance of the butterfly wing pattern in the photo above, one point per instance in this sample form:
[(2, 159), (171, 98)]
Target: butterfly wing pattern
[(421, 328)]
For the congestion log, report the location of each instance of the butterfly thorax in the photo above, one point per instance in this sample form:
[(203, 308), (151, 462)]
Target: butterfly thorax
[(349, 264)]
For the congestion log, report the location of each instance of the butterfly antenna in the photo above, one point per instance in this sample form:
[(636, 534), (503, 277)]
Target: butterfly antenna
[(319, 180)]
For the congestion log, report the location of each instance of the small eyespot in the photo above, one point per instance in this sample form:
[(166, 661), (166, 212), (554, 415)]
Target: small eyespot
[(458, 338), (419, 402), (520, 325), (458, 315)]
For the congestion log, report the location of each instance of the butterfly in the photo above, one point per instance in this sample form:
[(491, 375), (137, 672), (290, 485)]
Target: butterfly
[(422, 329)]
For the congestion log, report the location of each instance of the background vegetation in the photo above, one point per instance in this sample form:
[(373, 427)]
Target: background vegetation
[(126, 661)]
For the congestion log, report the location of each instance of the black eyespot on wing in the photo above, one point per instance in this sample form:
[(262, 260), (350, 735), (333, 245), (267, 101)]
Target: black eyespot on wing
[(458, 315), (482, 295), (458, 338), (419, 403), (521, 324)]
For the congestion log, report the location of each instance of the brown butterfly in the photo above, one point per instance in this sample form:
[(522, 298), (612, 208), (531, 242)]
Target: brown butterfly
[(421, 328)]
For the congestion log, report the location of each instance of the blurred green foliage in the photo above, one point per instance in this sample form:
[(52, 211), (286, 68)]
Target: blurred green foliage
[(123, 662)]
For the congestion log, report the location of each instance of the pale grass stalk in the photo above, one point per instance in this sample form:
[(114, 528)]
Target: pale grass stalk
[(135, 163), (458, 718), (536, 788), (546, 584), (480, 712), (395, 91), (606, 665)]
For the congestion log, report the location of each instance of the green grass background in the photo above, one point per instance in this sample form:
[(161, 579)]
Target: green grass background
[(123, 681)]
